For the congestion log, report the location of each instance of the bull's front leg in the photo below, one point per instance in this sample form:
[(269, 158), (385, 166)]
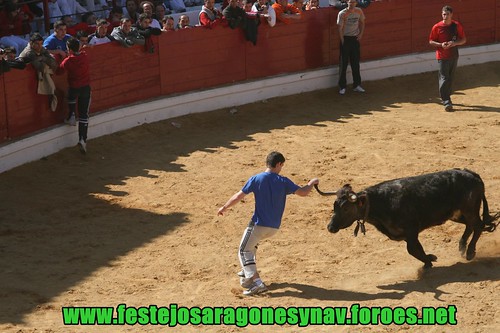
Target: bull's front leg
[(415, 249)]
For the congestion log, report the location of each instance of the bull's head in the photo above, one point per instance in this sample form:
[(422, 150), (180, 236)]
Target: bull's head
[(348, 208)]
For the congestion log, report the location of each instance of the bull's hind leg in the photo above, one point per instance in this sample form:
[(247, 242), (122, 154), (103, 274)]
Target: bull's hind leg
[(415, 249), (475, 226), (462, 245), (471, 249)]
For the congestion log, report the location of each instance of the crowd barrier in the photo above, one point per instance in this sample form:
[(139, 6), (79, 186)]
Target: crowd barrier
[(198, 59)]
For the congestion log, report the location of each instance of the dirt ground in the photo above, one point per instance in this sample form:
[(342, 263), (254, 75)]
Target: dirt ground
[(135, 220)]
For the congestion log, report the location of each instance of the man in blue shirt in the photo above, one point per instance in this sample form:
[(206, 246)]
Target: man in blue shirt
[(56, 43), (270, 190)]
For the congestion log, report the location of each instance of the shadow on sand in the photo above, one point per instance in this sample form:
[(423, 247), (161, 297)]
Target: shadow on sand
[(428, 281), (46, 234)]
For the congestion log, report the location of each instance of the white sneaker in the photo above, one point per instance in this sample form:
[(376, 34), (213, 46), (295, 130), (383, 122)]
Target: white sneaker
[(71, 120), (82, 145), (342, 91), (241, 273), (246, 283), (359, 89), (256, 289)]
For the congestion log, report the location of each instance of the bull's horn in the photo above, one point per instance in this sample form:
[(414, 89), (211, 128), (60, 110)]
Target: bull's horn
[(324, 193), (353, 197)]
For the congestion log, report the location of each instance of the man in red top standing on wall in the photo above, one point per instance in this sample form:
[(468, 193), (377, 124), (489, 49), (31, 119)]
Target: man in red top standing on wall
[(77, 67), (445, 37)]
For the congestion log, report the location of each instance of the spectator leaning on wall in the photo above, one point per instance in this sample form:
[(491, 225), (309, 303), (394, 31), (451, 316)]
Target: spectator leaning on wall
[(145, 29), (127, 35), (44, 64), (100, 36), (56, 43), (285, 12), (209, 16)]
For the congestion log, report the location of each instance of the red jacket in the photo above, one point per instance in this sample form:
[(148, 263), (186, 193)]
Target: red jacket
[(77, 67)]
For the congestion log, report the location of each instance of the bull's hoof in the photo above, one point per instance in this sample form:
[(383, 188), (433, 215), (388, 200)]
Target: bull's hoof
[(430, 258), (470, 255)]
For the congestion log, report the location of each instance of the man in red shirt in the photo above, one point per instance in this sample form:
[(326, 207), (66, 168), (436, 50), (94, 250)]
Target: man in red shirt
[(77, 67), (445, 37), (209, 16), (285, 12)]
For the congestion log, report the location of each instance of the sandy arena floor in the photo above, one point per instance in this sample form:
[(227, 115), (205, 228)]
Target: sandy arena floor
[(135, 221)]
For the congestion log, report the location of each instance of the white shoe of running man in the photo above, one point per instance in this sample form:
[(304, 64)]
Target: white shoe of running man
[(256, 289), (246, 283)]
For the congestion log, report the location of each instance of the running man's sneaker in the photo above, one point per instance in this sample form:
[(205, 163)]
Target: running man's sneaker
[(71, 120), (241, 273), (82, 145), (246, 283), (342, 91), (359, 89), (256, 289)]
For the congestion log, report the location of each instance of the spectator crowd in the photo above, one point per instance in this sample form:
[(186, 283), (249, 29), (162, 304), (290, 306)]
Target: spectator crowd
[(79, 24), (128, 22), (24, 24)]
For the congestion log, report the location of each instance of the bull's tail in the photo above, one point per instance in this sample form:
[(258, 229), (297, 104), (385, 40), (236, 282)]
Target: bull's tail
[(488, 220)]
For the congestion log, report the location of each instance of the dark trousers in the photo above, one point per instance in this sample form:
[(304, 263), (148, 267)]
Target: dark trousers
[(80, 97), (445, 75), (350, 52)]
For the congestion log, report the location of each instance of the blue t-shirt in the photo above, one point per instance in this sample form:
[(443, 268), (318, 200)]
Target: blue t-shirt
[(270, 191), (52, 43)]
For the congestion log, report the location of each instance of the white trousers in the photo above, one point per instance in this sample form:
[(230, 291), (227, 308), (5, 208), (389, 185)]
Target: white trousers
[(252, 235)]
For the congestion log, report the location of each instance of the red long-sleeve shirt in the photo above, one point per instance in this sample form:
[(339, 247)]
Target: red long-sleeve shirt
[(77, 67)]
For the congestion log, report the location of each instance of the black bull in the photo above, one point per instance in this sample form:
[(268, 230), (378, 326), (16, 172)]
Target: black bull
[(402, 208)]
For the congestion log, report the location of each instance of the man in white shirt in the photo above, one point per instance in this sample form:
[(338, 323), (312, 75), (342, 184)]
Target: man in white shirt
[(101, 34), (351, 24)]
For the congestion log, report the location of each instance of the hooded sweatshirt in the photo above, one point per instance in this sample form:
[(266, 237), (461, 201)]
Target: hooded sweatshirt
[(77, 67)]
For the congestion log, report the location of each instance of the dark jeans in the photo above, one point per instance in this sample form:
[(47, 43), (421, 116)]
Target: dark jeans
[(80, 97), (445, 75), (349, 53)]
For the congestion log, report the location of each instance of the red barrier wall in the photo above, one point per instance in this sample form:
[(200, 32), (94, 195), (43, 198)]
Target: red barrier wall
[(200, 58)]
